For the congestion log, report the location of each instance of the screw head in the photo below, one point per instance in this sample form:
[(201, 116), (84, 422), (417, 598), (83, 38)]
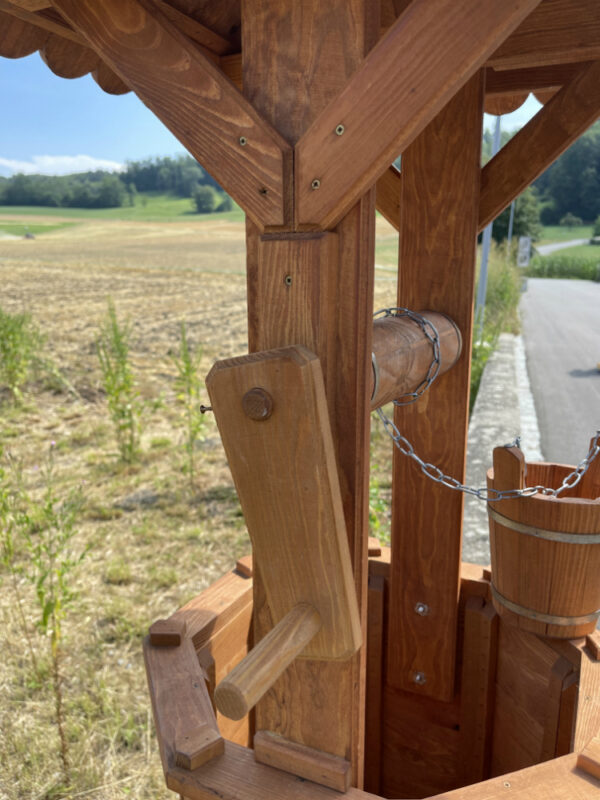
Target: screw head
[(315, 184), (422, 609), (340, 130), (243, 141), (263, 191), (288, 280), (420, 678)]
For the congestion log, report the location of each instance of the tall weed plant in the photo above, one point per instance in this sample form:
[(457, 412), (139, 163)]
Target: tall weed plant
[(20, 345), (565, 266), (504, 285), (43, 533), (124, 402)]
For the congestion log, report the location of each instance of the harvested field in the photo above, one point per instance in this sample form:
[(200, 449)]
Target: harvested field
[(154, 539)]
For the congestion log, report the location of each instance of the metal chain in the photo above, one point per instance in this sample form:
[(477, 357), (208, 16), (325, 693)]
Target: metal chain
[(432, 335), (435, 473)]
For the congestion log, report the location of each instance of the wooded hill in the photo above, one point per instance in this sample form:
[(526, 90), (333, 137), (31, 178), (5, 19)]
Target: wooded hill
[(181, 176)]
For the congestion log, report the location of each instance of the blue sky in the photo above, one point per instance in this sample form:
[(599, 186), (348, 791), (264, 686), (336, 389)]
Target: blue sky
[(56, 126)]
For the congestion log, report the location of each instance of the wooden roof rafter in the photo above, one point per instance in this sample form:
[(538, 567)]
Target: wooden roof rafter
[(562, 120), (392, 97), (192, 97)]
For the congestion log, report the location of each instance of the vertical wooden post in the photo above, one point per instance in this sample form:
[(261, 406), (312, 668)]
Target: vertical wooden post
[(440, 188), (316, 289)]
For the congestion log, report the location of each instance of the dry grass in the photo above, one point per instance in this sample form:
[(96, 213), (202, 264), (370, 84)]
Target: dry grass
[(154, 542)]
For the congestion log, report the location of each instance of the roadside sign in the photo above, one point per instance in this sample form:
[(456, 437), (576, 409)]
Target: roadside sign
[(524, 251)]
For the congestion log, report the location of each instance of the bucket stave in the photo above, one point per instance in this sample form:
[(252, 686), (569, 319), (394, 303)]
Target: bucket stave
[(545, 550)]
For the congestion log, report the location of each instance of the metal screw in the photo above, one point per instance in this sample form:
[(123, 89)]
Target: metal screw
[(340, 130), (243, 141), (315, 184), (420, 678), (288, 280), (507, 784), (422, 609), (263, 191)]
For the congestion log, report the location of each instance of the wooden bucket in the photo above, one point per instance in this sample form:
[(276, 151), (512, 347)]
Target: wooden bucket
[(545, 550)]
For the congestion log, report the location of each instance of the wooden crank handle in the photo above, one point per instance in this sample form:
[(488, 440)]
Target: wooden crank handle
[(241, 690)]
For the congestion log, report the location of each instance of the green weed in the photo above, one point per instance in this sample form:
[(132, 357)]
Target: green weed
[(124, 404), (20, 344)]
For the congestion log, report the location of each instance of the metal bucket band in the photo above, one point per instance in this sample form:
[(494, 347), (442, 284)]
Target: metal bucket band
[(540, 533), (538, 616)]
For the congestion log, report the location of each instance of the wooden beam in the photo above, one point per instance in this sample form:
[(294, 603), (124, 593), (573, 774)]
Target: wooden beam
[(67, 59), (440, 177), (191, 96), (557, 32), (47, 19), (510, 81), (427, 55), (562, 120), (19, 38), (388, 194), (293, 67)]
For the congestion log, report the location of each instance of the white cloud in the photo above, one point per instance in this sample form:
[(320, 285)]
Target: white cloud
[(57, 165)]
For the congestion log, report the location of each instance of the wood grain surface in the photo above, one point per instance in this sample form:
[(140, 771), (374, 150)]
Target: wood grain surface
[(285, 474), (416, 68), (556, 32), (190, 95), (440, 176), (336, 331), (562, 120)]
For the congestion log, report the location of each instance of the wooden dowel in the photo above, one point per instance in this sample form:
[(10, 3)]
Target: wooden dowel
[(239, 692), (402, 354)]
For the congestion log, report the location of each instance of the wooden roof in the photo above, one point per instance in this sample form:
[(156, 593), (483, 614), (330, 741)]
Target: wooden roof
[(541, 55)]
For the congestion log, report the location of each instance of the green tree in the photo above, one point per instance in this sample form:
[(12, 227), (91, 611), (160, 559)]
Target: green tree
[(205, 199), (526, 221)]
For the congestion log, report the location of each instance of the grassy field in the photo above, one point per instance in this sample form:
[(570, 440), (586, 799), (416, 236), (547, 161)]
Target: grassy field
[(19, 229), (154, 541), (149, 207), (560, 233)]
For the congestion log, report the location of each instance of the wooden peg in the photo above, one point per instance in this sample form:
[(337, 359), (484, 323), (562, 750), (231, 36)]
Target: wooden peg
[(239, 692), (198, 746), (167, 632)]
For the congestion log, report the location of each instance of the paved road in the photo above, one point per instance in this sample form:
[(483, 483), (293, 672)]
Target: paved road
[(561, 330), (546, 249)]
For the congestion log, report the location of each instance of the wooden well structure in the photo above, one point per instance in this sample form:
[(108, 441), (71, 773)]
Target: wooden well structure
[(407, 683)]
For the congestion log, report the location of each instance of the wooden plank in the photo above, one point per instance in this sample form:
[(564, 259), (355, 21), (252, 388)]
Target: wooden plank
[(194, 30), (237, 776), (375, 650), (421, 745), (48, 19), (556, 32), (304, 39), (180, 704), (587, 721), (191, 96), (440, 176), (562, 120), (589, 758), (558, 779), (283, 466), (388, 195), (167, 632), (312, 765), (19, 38), (108, 80), (213, 609), (416, 68), (560, 676), (67, 59), (499, 82), (504, 104), (478, 689)]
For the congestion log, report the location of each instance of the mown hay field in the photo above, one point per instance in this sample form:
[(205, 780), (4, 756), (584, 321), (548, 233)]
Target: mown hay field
[(154, 541)]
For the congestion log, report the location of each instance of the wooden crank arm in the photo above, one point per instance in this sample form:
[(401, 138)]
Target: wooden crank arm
[(239, 692)]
